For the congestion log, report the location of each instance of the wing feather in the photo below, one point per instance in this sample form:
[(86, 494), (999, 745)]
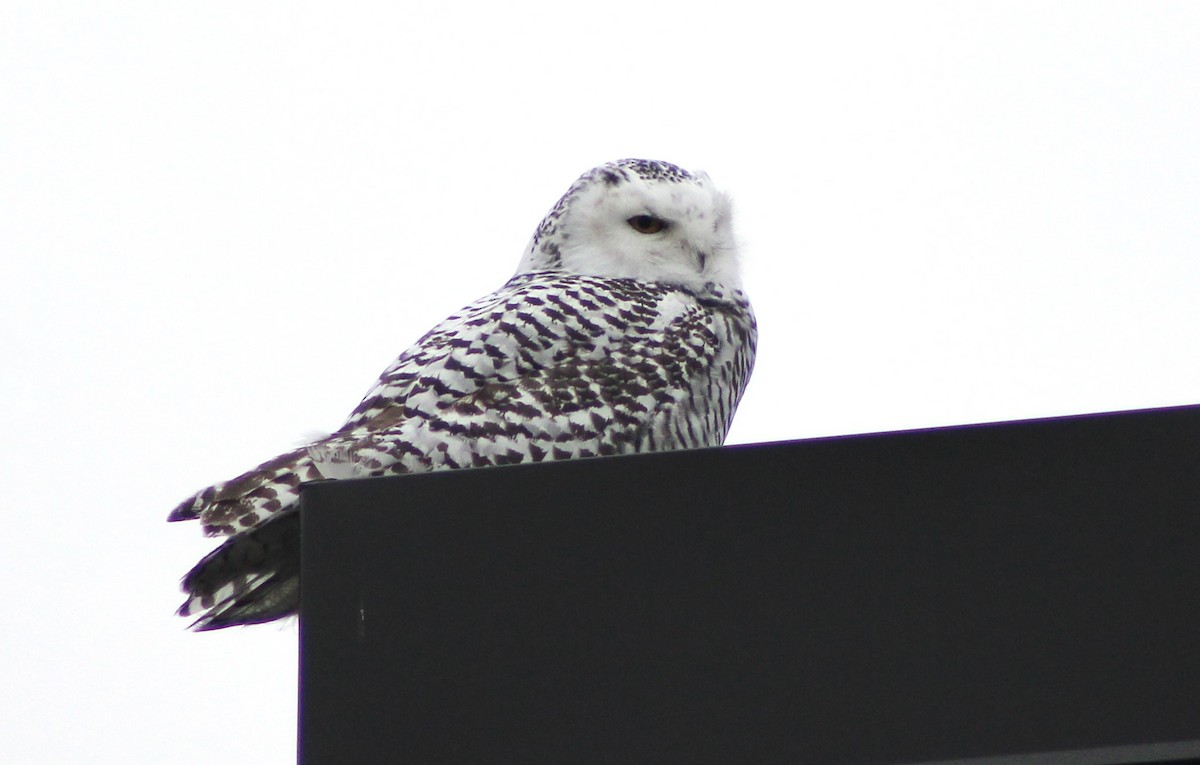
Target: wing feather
[(551, 366)]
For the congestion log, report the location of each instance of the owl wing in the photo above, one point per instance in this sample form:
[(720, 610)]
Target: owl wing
[(545, 368), (537, 325), (667, 384)]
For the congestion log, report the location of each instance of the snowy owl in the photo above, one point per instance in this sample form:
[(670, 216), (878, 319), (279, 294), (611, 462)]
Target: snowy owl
[(624, 330)]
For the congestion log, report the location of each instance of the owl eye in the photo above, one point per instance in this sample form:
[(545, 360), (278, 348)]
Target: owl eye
[(647, 224)]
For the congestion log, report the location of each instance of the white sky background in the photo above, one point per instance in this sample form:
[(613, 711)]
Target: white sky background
[(220, 220)]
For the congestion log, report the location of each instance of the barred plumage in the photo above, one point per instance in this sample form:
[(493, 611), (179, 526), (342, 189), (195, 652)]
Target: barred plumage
[(625, 330)]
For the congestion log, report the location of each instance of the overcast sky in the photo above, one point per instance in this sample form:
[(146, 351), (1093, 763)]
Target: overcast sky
[(220, 220)]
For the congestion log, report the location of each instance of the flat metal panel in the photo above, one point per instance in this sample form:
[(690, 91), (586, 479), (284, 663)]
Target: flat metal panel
[(975, 592)]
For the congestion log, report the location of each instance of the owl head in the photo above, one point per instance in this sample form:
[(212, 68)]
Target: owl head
[(639, 219)]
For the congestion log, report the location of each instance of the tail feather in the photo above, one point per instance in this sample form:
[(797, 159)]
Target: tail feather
[(233, 506), (253, 577)]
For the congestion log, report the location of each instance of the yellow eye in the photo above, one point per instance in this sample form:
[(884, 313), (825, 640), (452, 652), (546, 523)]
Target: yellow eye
[(646, 224)]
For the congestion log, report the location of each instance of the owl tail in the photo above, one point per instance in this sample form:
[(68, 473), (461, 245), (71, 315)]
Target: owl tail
[(253, 577)]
